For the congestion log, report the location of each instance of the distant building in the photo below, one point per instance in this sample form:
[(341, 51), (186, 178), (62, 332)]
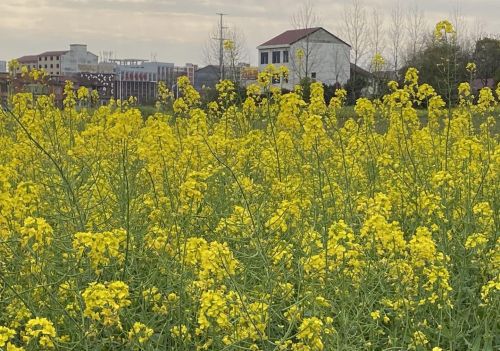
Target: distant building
[(190, 71), (4, 87), (118, 78), (140, 78), (478, 84), (30, 61), (103, 83), (51, 61), (76, 64), (249, 75), (312, 52), (209, 76), (364, 85), (57, 63), (3, 66), (206, 77)]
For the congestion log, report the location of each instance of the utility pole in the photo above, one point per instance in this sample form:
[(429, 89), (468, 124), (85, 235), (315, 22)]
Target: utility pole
[(221, 46)]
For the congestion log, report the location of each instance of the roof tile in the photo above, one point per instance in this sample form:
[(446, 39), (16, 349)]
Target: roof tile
[(290, 36), (28, 58), (53, 53)]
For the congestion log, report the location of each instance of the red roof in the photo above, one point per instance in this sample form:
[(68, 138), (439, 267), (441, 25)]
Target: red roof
[(53, 53), (28, 58), (291, 36)]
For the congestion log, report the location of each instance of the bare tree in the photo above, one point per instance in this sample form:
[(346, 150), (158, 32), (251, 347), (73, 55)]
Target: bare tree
[(477, 30), (376, 38), (305, 58), (415, 30), (465, 36), (396, 36), (305, 17), (235, 49), (376, 33), (355, 30)]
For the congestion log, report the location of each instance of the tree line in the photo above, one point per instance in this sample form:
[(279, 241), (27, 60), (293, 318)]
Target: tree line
[(384, 43)]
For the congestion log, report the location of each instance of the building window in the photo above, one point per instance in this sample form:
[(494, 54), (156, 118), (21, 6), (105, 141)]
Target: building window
[(285, 56), (276, 56), (51, 65), (264, 58), (45, 66), (57, 65), (39, 59), (45, 58), (51, 58), (276, 80), (313, 75)]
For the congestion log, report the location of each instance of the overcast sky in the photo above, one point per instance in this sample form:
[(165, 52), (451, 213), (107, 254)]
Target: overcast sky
[(176, 31)]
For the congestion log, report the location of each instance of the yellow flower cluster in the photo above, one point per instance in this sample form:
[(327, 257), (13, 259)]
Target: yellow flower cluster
[(104, 301), (310, 335), (159, 303), (181, 332), (231, 313), (211, 261), (140, 333), (36, 233), (42, 330), (275, 222), (6, 334), (101, 247), (442, 28)]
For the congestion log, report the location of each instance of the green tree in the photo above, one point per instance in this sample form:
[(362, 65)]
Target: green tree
[(487, 59), (442, 64)]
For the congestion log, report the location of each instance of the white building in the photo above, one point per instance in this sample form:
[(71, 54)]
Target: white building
[(142, 70), (3, 66), (63, 62), (76, 56), (312, 52), (139, 78)]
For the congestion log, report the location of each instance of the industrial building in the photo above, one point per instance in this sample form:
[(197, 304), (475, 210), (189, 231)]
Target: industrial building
[(112, 78), (140, 78)]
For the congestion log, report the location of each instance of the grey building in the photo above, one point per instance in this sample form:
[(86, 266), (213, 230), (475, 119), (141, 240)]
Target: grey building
[(206, 77), (3, 66)]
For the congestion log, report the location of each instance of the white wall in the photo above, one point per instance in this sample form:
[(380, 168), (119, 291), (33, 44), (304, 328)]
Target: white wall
[(78, 55), (151, 69), (330, 62), (328, 57), (270, 51)]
